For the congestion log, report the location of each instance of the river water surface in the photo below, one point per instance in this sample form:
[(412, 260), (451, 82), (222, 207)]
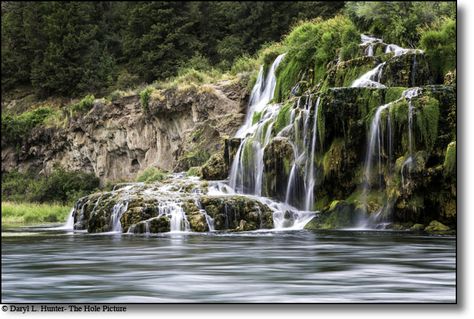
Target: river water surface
[(298, 266)]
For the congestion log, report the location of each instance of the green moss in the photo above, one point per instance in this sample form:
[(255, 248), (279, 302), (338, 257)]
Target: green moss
[(283, 117), (449, 164), (435, 226), (256, 117), (321, 124), (288, 73), (333, 158), (393, 93), (194, 171), (427, 118), (311, 46), (150, 175)]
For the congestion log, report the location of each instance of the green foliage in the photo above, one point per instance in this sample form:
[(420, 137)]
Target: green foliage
[(33, 213), (16, 128), (440, 48), (58, 186), (145, 96), (350, 39), (256, 117), (125, 80), (244, 64), (427, 119), (69, 48), (333, 158), (283, 117), (398, 21), (83, 105), (311, 46), (393, 93), (449, 164), (194, 171), (150, 175)]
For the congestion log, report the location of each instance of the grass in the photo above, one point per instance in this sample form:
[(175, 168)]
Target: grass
[(22, 213)]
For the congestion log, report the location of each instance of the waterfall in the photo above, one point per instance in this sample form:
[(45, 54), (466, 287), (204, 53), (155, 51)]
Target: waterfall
[(311, 178), (409, 95), (376, 146), (370, 78), (261, 95), (369, 42), (176, 215), (117, 212), (70, 220), (247, 169)]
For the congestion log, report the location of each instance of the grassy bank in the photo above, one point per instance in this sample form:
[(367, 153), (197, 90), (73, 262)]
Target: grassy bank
[(14, 213)]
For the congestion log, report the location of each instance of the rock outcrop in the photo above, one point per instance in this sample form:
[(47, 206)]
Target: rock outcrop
[(182, 128)]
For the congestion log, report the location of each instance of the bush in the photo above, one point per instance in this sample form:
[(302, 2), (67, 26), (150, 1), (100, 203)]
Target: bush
[(398, 21), (151, 174), (244, 64), (311, 46), (59, 186), (440, 48), (16, 128), (83, 105), (145, 98), (125, 80)]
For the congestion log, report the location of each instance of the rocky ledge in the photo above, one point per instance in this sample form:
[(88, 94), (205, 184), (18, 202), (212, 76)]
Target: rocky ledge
[(176, 204)]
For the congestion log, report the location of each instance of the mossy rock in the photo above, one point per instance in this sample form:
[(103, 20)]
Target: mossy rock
[(339, 214), (410, 69), (417, 227), (228, 213), (216, 168), (435, 227), (278, 158), (160, 224)]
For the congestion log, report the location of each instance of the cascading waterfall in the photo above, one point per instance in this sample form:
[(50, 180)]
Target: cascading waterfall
[(311, 178), (409, 95), (370, 78), (376, 147), (117, 212), (261, 95), (247, 169)]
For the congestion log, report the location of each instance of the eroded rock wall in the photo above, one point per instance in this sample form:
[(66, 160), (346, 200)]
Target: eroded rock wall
[(115, 141)]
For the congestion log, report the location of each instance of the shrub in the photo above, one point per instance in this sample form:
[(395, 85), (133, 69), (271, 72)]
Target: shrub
[(58, 186), (244, 64), (311, 46), (151, 174), (145, 98), (194, 171), (440, 48), (125, 80), (83, 105), (15, 128)]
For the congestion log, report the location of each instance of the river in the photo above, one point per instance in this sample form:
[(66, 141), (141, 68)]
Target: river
[(40, 265)]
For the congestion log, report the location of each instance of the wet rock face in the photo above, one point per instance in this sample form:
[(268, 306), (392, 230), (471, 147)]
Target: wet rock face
[(237, 213), (216, 168), (116, 141), (278, 158), (407, 70), (178, 204)]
